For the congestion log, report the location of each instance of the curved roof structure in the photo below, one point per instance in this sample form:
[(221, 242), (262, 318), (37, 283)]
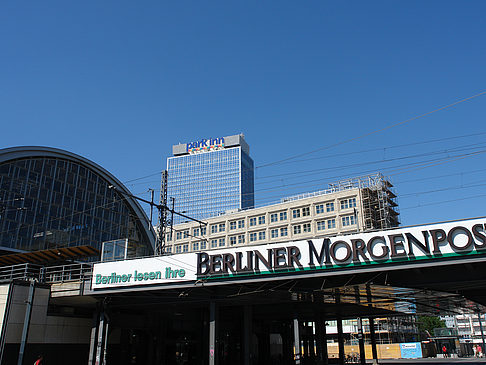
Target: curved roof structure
[(62, 199)]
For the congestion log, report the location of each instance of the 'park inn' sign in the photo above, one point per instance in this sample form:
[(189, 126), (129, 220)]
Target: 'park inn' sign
[(405, 245)]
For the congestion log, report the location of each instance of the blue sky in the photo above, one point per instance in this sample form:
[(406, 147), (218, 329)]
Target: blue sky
[(120, 82)]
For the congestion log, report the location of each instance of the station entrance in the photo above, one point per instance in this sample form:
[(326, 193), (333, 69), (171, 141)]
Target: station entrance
[(261, 323), (270, 303)]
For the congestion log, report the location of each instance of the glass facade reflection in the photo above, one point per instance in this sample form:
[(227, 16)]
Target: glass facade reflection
[(209, 183), (51, 202)]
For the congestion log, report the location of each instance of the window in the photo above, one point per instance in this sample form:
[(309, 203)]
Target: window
[(195, 232), (261, 219), (203, 245), (321, 226), (305, 212), (169, 236), (331, 223), (178, 249), (348, 203), (221, 242), (168, 249), (273, 217), (214, 243), (214, 228), (232, 240), (319, 208), (284, 231), (261, 235), (274, 233), (283, 216), (296, 213), (306, 227), (253, 237), (203, 231), (222, 227), (241, 238), (330, 207), (186, 233), (253, 221), (185, 248), (195, 246), (297, 229), (348, 220), (232, 225), (241, 223)]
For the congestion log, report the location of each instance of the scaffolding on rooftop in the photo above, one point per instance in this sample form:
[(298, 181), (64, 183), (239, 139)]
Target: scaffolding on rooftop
[(380, 210)]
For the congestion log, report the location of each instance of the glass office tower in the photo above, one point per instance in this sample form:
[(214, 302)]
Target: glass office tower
[(210, 177)]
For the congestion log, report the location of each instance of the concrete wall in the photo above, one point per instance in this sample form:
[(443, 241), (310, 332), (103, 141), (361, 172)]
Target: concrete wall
[(43, 328), (57, 337), (3, 302)]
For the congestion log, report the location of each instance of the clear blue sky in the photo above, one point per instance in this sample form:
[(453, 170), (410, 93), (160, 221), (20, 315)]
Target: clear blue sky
[(120, 82)]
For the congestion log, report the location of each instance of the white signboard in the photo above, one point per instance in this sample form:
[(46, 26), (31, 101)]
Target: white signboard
[(404, 245), (147, 271)]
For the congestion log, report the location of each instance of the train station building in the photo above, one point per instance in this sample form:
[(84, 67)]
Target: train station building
[(282, 301)]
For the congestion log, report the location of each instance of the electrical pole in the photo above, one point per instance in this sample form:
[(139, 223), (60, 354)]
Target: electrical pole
[(163, 209)]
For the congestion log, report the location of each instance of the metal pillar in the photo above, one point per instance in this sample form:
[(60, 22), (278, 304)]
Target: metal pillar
[(372, 326), (213, 359), (247, 331), (25, 329), (99, 338), (342, 355), (304, 338), (339, 321), (105, 335), (362, 354), (94, 336), (482, 333), (321, 341), (297, 354)]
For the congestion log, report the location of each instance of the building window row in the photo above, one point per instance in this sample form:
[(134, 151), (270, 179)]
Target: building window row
[(349, 220), (325, 208), (274, 217), (257, 236), (348, 203), (301, 228), (297, 229), (257, 220), (326, 224)]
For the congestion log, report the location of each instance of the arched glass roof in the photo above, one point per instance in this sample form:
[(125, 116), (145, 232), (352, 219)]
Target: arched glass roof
[(50, 198)]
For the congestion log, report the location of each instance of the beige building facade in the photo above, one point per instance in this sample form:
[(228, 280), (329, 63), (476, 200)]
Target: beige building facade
[(349, 206)]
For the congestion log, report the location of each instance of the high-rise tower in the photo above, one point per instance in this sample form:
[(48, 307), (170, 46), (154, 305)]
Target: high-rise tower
[(210, 176)]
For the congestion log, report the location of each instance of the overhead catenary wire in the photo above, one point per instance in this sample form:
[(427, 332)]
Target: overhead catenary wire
[(393, 125), (390, 171), (393, 170), (443, 202), (384, 148), (359, 152)]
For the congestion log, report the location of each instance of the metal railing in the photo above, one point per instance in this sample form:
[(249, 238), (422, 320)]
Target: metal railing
[(46, 274), (20, 272), (70, 272)]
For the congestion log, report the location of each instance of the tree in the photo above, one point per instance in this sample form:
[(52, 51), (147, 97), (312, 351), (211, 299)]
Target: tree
[(427, 324)]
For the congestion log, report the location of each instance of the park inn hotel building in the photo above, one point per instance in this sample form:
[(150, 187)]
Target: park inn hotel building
[(359, 204)]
